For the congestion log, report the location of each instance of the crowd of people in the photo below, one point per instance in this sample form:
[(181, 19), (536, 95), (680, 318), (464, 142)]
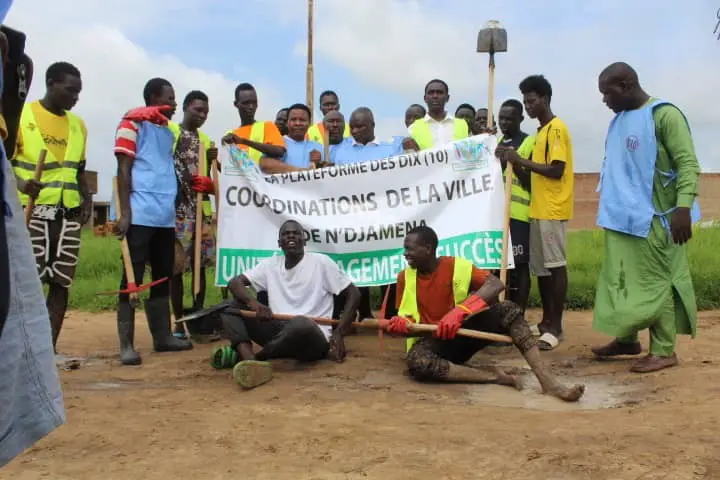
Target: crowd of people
[(163, 166), (648, 191)]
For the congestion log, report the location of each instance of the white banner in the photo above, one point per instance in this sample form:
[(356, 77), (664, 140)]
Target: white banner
[(359, 214)]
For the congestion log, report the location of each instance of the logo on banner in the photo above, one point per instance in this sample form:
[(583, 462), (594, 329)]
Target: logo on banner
[(240, 164), (470, 155)]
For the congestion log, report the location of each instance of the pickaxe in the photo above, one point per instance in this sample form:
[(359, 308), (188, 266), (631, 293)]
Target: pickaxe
[(132, 288)]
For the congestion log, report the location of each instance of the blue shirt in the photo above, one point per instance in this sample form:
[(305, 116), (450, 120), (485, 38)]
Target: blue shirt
[(350, 151), (154, 183), (4, 8), (298, 153)]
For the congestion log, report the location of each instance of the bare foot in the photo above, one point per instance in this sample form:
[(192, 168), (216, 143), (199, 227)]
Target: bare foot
[(568, 394), (509, 380)]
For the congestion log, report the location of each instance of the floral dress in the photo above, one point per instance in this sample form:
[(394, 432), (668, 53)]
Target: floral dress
[(187, 159)]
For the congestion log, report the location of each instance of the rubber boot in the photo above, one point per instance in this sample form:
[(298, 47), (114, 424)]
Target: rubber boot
[(157, 311), (126, 332)]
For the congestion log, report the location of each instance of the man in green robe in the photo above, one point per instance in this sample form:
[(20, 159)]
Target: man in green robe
[(645, 282)]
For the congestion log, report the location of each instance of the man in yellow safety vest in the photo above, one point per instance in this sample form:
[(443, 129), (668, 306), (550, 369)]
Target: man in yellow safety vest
[(329, 101), (262, 141), (437, 127), (452, 293), (62, 203), (510, 117), (193, 154)]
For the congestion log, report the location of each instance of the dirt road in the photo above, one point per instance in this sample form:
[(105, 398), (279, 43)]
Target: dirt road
[(175, 417)]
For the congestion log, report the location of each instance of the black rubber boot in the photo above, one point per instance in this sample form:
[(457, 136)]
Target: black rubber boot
[(126, 332), (157, 311)]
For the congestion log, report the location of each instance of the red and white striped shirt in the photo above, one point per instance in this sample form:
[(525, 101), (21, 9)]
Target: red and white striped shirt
[(126, 138)]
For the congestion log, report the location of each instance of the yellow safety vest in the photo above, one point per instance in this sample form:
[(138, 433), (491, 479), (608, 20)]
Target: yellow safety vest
[(58, 177), (519, 197), (257, 135), (462, 276), (204, 166), (315, 133), (423, 137)]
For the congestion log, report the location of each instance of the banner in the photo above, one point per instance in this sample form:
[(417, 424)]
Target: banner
[(359, 214)]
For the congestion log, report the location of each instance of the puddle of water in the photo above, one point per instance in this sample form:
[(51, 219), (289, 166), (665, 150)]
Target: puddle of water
[(119, 384), (599, 393), (377, 378)]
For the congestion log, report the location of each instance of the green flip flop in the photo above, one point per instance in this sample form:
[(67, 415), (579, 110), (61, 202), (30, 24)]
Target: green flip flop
[(252, 373), (224, 357)]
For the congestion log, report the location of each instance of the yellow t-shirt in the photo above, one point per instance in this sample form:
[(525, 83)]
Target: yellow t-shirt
[(54, 130), (552, 199)]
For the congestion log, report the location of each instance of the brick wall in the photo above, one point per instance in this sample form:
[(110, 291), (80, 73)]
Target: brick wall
[(586, 199)]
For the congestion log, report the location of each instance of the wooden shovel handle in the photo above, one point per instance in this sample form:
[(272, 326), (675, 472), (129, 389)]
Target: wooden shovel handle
[(38, 175), (127, 259), (198, 242), (415, 329)]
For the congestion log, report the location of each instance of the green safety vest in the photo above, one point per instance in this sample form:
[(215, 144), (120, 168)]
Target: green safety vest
[(257, 135), (462, 276), (204, 167), (423, 137), (58, 177), (316, 133), (519, 197)]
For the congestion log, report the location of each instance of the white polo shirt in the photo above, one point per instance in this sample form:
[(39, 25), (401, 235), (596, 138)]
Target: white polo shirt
[(443, 131)]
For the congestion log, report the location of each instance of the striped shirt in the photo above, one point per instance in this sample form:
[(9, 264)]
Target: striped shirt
[(126, 138)]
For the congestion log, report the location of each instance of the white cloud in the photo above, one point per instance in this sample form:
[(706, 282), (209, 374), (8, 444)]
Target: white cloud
[(391, 47), (400, 45), (114, 69)]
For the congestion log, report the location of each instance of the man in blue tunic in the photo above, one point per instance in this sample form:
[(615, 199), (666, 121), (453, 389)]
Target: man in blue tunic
[(648, 189)]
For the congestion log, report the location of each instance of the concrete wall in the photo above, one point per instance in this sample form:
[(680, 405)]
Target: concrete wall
[(586, 199)]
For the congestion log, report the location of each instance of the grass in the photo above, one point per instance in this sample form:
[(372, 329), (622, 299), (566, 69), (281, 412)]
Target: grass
[(99, 269)]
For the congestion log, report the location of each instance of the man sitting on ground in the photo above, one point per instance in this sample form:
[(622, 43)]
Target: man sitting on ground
[(452, 293), (298, 283)]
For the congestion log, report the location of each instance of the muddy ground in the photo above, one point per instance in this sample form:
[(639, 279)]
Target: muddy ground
[(175, 417)]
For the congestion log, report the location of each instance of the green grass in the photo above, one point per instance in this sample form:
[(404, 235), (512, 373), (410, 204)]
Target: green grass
[(100, 269)]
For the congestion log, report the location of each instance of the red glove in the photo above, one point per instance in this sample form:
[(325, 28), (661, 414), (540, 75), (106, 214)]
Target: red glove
[(452, 321), (149, 114), (398, 325), (202, 184)]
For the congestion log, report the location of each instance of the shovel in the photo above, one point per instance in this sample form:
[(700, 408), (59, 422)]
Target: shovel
[(132, 289), (492, 39)]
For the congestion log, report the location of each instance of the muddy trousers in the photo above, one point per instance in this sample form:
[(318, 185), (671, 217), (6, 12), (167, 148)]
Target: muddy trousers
[(663, 333), (430, 357), (299, 338)]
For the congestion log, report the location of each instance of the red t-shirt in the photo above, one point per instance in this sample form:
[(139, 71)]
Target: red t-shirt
[(434, 291)]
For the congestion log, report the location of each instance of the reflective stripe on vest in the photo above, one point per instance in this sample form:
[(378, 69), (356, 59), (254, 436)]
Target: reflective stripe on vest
[(316, 133), (519, 197), (257, 135), (204, 167), (423, 137), (59, 178), (462, 276)]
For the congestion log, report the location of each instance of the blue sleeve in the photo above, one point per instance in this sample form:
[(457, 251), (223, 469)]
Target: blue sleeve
[(4, 9)]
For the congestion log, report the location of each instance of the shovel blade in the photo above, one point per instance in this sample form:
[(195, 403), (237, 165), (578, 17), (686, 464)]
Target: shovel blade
[(492, 38)]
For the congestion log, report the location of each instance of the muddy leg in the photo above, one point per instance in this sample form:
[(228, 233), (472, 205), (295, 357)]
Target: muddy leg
[(519, 331), (424, 364), (57, 302)]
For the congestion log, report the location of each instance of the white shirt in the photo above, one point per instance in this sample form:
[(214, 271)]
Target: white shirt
[(443, 131), (306, 289), (371, 142)]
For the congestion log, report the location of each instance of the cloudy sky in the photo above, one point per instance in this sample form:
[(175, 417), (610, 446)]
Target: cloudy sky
[(375, 53)]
